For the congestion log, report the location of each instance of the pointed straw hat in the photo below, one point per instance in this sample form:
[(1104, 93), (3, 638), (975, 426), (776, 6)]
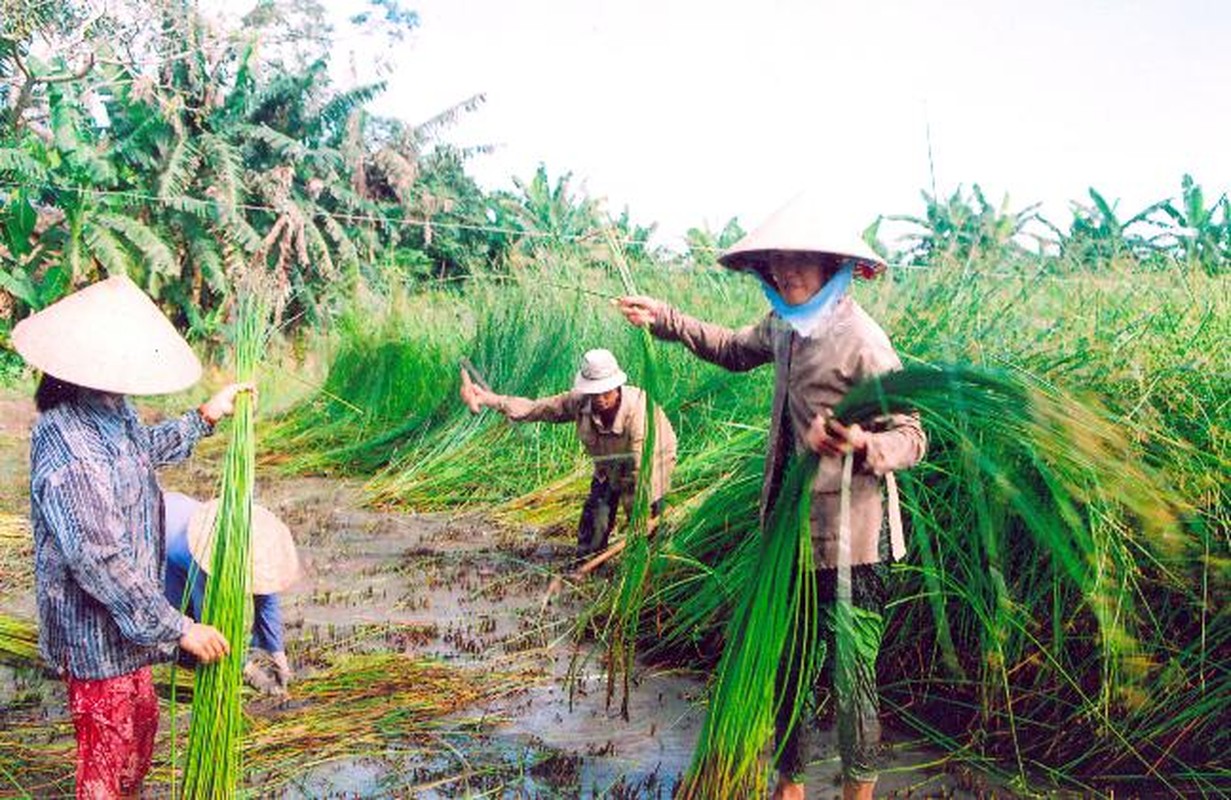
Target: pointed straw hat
[(108, 336), (275, 563), (801, 226)]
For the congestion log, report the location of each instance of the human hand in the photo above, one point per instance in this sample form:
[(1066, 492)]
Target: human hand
[(640, 310), (828, 437), (205, 643), (223, 402), (470, 393)]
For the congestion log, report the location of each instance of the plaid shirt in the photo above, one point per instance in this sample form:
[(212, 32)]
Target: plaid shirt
[(96, 511)]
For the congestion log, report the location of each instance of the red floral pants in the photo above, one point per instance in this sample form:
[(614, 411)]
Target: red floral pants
[(116, 720)]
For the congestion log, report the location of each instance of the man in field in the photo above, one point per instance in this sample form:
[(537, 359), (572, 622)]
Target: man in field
[(610, 415)]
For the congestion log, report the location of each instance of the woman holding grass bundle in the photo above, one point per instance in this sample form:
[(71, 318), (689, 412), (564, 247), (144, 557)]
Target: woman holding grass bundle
[(611, 423), (821, 344), (97, 518)]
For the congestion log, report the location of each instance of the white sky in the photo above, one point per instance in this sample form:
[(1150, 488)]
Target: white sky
[(692, 111)]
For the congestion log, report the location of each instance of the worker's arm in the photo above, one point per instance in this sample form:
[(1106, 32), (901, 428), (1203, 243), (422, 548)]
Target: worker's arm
[(738, 350), (557, 408)]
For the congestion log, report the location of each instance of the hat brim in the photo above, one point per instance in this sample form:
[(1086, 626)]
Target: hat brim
[(275, 562), (599, 385), (866, 267), (109, 336)]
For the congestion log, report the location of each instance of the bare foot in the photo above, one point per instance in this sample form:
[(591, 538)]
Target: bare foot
[(786, 790)]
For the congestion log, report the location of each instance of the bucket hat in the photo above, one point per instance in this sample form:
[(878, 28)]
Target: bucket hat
[(111, 337), (275, 563), (600, 372), (800, 226)]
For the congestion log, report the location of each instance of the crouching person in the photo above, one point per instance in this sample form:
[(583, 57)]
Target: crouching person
[(275, 566)]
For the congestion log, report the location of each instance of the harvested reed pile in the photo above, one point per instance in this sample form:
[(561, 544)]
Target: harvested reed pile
[(389, 706), (16, 553), (18, 641), (36, 757)]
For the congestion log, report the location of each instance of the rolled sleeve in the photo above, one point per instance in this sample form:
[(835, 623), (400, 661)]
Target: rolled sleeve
[(89, 530), (902, 445)]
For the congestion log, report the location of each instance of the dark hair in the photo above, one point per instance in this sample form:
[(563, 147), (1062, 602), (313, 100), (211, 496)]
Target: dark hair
[(52, 392)]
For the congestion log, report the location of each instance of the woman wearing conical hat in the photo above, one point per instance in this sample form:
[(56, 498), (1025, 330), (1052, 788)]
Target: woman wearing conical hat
[(97, 518), (821, 343)]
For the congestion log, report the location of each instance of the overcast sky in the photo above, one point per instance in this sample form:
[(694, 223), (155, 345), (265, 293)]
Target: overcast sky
[(692, 111)]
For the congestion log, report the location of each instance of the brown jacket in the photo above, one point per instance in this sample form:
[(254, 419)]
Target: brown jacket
[(812, 374), (616, 450)]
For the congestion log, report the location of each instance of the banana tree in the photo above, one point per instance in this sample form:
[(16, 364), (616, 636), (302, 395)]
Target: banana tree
[(1201, 237), (961, 229), (1096, 233)]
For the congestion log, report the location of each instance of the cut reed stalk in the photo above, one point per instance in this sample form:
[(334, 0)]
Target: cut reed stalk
[(213, 766)]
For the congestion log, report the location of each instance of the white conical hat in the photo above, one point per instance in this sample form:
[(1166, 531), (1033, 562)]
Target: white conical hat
[(275, 563), (800, 226), (109, 336)]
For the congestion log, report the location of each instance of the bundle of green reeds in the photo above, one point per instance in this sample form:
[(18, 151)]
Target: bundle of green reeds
[(634, 568), (1053, 464), (213, 765)]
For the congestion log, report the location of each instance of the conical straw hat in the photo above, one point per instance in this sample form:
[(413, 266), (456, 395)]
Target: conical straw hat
[(109, 336), (800, 226), (275, 564)]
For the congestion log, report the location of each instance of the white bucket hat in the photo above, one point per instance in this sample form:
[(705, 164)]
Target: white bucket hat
[(600, 372), (800, 226), (108, 336), (275, 563)]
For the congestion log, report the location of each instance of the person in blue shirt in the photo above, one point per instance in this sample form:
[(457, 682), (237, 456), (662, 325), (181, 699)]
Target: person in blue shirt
[(267, 669)]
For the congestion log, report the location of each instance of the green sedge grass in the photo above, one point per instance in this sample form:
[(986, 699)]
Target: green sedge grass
[(1033, 645), (213, 758)]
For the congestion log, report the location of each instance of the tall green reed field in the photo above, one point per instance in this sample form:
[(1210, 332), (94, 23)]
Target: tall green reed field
[(1091, 659)]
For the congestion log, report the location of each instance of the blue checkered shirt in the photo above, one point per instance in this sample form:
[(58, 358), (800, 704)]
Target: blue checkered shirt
[(96, 511)]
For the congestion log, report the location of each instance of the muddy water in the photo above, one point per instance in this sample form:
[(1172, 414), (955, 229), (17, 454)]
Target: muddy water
[(461, 590)]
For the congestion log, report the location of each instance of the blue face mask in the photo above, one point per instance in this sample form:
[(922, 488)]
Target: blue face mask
[(806, 317)]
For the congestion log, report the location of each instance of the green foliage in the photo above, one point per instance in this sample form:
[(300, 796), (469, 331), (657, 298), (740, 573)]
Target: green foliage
[(960, 229)]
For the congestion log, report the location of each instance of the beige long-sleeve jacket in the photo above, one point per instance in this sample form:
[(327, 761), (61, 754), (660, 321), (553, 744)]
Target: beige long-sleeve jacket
[(616, 450), (812, 374)]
